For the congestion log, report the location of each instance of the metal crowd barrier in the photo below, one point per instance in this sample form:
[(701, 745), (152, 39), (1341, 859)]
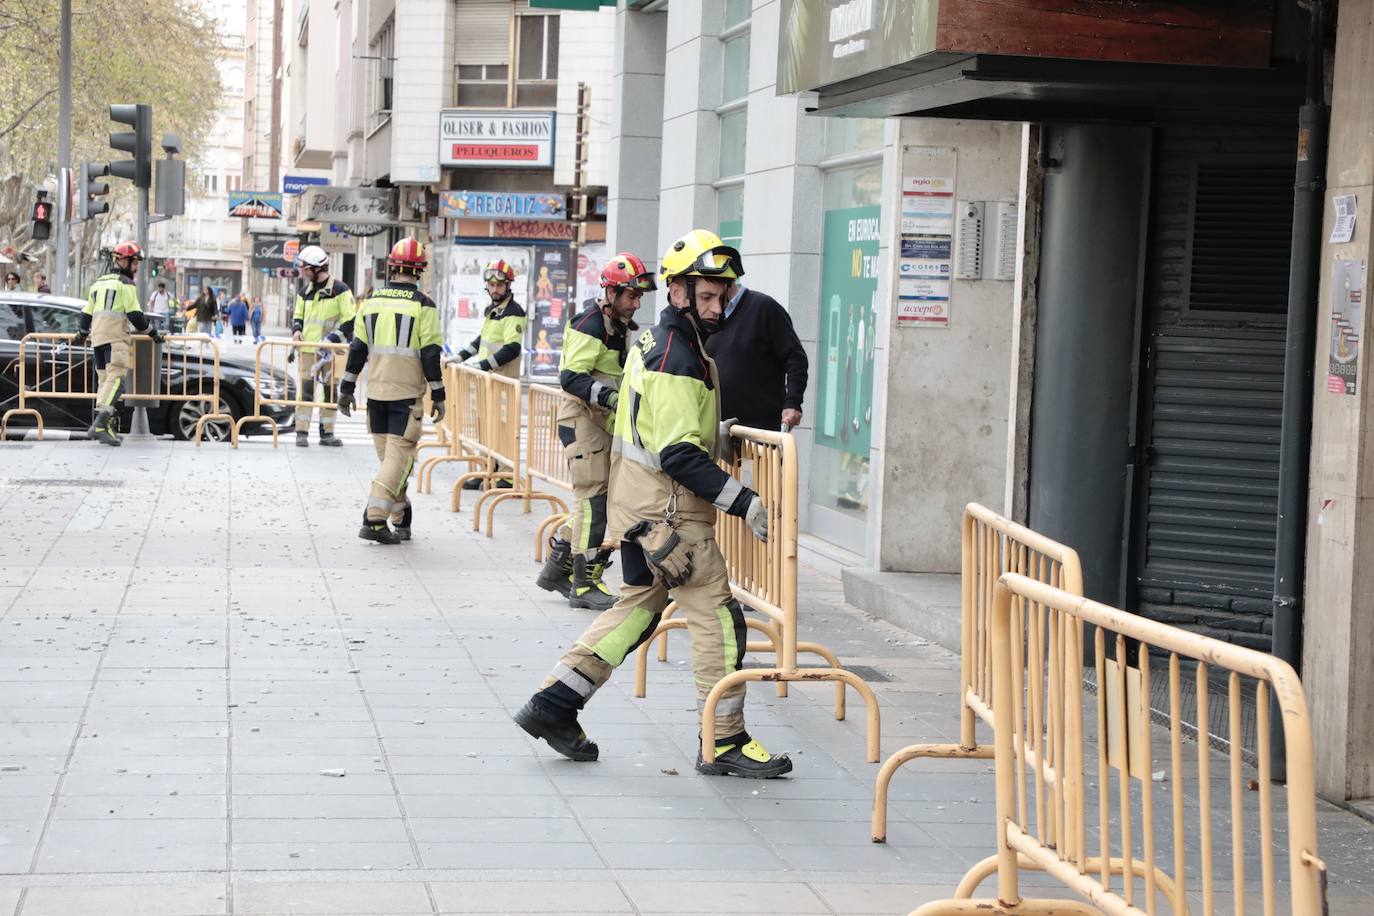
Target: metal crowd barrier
[(992, 545), (466, 392), (1041, 736), (545, 458), (274, 356), (65, 371)]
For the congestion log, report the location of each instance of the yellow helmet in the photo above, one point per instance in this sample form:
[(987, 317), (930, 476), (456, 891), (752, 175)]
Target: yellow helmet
[(701, 253)]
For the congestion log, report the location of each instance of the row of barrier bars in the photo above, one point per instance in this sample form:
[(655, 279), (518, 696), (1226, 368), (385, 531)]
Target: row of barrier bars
[(1038, 638), (991, 545), (545, 458), (469, 445), (267, 357)]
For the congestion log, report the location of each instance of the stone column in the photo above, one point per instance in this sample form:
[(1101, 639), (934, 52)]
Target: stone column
[(636, 133)]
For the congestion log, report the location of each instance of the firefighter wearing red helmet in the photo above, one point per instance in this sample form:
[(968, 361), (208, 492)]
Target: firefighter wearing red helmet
[(589, 369), (498, 345), (111, 308), (397, 333)]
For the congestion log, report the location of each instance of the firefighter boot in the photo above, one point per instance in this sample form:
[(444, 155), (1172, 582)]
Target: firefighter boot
[(102, 427), (379, 532), (743, 756), (556, 576), (562, 733), (328, 438), (302, 438), (588, 591), (402, 527)]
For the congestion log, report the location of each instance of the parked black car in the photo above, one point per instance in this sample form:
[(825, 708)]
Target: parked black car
[(36, 313)]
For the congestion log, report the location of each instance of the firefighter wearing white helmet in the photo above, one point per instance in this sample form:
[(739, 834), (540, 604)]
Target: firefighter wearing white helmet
[(324, 312), (666, 488)]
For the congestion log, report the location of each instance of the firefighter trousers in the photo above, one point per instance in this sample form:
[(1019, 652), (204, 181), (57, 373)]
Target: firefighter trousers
[(310, 388), (395, 428), (715, 623), (111, 363), (588, 447)]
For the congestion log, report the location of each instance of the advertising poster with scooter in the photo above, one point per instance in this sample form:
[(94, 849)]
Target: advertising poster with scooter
[(548, 310), (461, 292), (849, 311)]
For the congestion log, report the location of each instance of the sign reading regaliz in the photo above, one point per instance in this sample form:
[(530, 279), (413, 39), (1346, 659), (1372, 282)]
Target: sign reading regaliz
[(486, 138), (352, 206)]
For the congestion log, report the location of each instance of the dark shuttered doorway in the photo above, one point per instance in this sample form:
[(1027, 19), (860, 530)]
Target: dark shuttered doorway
[(1211, 382)]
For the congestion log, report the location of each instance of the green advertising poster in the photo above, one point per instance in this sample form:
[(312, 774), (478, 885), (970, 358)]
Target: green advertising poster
[(849, 312)]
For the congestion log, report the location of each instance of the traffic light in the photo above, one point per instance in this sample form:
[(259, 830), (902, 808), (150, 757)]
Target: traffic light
[(91, 189), (138, 142), (42, 218)]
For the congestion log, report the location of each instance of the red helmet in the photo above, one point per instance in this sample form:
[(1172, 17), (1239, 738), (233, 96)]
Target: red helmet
[(408, 253), (627, 271), (499, 270), (128, 250)]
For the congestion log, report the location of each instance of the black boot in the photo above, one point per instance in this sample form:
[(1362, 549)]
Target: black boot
[(562, 734), (327, 438), (302, 439), (742, 756), (402, 527), (588, 591), (102, 427), (556, 576), (379, 532), (473, 483)]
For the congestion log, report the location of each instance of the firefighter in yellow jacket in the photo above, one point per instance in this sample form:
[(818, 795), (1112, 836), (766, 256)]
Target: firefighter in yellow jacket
[(397, 332), (111, 307), (589, 369), (666, 488), (324, 312)]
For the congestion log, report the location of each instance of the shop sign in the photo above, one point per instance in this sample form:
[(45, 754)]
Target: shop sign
[(255, 204), (827, 41), (273, 251), (487, 138), (849, 313), (298, 184), (336, 240), (355, 206), (531, 229), (501, 204)]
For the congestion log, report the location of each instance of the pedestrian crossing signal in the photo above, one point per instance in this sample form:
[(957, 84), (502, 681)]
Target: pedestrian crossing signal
[(42, 218)]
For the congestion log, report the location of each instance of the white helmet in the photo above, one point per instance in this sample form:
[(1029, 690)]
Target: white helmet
[(312, 256)]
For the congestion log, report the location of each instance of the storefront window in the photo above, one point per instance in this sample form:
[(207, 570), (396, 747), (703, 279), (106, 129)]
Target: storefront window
[(840, 482)]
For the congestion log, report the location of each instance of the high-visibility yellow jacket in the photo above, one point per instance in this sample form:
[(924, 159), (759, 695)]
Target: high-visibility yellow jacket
[(111, 307), (397, 332), (592, 363), (324, 308), (663, 451), (500, 339)]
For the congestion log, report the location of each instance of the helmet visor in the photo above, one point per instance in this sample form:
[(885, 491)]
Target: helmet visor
[(489, 275), (722, 261), (643, 283)]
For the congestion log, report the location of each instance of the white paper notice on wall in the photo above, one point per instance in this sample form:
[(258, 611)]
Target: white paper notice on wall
[(1343, 229)]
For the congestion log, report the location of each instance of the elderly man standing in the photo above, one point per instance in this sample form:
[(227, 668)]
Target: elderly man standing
[(761, 362)]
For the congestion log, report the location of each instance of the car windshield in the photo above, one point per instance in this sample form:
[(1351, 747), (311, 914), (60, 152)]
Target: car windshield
[(52, 319)]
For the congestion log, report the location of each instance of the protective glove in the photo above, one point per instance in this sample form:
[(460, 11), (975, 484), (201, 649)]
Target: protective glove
[(669, 556), (613, 400), (462, 356), (334, 337), (156, 336), (437, 412), (485, 365), (725, 443), (81, 339), (757, 518), (345, 404)]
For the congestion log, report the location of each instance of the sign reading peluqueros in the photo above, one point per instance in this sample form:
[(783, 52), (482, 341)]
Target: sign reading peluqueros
[(486, 138)]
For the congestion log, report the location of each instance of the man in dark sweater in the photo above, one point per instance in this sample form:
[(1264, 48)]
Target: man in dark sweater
[(761, 362)]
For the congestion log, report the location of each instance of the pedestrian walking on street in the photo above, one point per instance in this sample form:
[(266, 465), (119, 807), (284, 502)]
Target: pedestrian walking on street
[(498, 344), (207, 313), (238, 317), (761, 361), (111, 307), (160, 302), (590, 369), (398, 333), (666, 488), (255, 316), (40, 283), (11, 280), (324, 313)]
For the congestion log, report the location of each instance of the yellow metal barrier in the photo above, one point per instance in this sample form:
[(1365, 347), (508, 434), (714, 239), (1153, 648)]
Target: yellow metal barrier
[(466, 392), (544, 455), (992, 545), (1043, 728), (274, 357), (63, 370), (501, 435)]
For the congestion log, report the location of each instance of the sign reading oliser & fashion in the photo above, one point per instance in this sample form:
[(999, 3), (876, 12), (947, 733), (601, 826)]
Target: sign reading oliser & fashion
[(352, 206), (483, 137), (849, 311)]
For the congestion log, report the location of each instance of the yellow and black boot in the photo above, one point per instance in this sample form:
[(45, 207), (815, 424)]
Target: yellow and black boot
[(102, 428), (588, 591), (559, 728), (556, 576), (745, 757), (380, 532)]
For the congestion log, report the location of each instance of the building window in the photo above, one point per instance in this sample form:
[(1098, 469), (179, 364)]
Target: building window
[(734, 122), (730, 214), (482, 85), (737, 11), (383, 49), (536, 84)]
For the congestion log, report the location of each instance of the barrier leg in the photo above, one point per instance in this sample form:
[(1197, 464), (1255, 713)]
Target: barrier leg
[(708, 712), (1025, 907), (913, 752), (206, 418), (773, 645), (663, 642), (816, 648), (238, 429), (20, 412), (495, 501), (456, 503)]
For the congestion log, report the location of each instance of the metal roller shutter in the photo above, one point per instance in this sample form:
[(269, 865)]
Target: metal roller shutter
[(482, 31)]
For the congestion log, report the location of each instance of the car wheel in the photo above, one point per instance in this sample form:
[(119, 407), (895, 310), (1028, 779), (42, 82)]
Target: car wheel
[(184, 425)]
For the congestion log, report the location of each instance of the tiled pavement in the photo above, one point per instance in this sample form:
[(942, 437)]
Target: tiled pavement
[(191, 638)]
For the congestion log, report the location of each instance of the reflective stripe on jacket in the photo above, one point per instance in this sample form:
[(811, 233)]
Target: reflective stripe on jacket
[(322, 309), (111, 305), (502, 335), (591, 364), (397, 333)]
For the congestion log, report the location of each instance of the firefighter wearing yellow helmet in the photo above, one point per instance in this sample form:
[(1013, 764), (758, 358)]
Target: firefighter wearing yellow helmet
[(666, 488), (397, 332)]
